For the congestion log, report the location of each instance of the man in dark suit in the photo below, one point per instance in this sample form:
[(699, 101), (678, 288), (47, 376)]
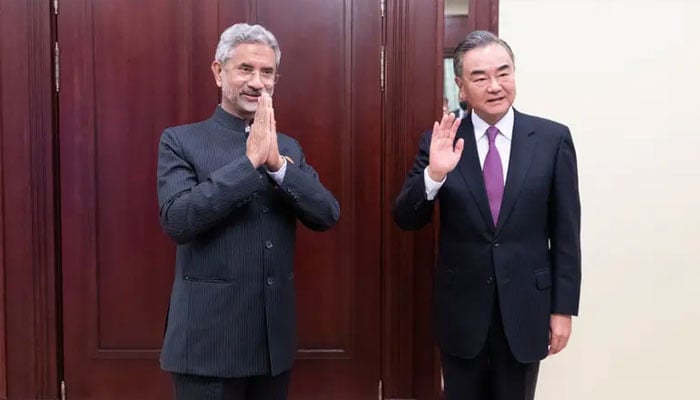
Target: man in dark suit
[(508, 275), (230, 191)]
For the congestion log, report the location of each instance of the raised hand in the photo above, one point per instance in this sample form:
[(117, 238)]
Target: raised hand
[(259, 139), (444, 152)]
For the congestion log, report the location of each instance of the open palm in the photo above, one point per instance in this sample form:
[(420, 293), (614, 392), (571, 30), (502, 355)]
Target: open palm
[(444, 152)]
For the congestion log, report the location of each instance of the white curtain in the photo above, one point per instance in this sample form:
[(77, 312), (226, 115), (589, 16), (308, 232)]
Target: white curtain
[(450, 88)]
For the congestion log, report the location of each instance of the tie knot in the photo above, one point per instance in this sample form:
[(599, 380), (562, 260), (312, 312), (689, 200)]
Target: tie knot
[(492, 131)]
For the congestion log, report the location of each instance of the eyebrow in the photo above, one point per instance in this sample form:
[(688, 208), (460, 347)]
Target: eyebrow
[(246, 65), (482, 72)]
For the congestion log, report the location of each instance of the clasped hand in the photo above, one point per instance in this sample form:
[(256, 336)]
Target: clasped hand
[(261, 146)]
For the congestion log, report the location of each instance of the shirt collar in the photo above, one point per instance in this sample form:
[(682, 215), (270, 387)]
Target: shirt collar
[(229, 121), (505, 125)]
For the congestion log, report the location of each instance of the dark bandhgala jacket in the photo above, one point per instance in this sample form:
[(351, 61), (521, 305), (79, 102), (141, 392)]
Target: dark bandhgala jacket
[(232, 309)]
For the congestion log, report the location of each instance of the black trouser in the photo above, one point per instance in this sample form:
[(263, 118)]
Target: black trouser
[(193, 387), (494, 374)]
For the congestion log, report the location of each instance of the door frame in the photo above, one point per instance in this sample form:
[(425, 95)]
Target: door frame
[(29, 273), (30, 279)]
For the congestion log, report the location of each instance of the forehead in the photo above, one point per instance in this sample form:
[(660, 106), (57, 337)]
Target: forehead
[(253, 53), (486, 58)]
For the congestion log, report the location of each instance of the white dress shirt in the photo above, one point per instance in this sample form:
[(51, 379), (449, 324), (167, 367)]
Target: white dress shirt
[(503, 142), (278, 175)]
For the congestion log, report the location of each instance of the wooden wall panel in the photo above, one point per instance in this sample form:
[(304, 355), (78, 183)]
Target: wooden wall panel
[(414, 87), (128, 71), (28, 360)]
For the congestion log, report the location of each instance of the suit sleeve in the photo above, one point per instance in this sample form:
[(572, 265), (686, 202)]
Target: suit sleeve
[(315, 206), (565, 226), (412, 209), (189, 207)]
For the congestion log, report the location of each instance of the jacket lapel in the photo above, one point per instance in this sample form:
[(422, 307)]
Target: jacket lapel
[(521, 153), (469, 168)]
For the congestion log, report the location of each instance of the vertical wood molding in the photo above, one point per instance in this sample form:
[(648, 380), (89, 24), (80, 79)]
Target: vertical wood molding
[(412, 101), (483, 15), (397, 263), (3, 328), (28, 206)]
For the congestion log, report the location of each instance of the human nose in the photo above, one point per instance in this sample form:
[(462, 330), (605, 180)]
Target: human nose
[(494, 85), (255, 80)]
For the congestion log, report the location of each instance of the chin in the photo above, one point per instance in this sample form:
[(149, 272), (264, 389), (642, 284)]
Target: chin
[(249, 108)]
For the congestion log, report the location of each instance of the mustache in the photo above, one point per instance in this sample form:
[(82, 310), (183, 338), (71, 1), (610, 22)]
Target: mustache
[(256, 92)]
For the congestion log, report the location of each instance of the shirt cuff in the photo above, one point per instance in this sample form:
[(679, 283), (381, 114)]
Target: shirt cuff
[(278, 175), (431, 187)]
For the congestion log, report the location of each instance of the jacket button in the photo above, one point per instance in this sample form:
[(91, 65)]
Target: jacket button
[(496, 243), (268, 244), (490, 280), (265, 210), (270, 281)]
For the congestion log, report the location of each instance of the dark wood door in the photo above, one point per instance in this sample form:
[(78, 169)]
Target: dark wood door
[(131, 68)]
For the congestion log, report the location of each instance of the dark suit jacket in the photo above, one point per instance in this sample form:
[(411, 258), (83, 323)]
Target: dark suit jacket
[(232, 308), (531, 260)]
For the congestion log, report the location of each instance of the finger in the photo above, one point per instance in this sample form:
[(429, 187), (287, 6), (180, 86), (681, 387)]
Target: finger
[(436, 133), (256, 130), (455, 124), (259, 110), (270, 115), (452, 131), (273, 123), (549, 351), (552, 344), (459, 147), (443, 125), (556, 344), (449, 121), (563, 342)]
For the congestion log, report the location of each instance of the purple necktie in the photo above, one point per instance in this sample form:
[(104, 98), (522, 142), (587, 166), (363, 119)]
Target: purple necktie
[(493, 174)]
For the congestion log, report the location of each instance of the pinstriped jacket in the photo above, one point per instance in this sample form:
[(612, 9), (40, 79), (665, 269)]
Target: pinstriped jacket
[(232, 308)]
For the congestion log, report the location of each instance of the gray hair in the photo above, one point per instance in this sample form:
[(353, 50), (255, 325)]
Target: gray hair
[(244, 33), (474, 40)]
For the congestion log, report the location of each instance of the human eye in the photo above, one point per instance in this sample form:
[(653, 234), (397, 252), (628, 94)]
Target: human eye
[(245, 69)]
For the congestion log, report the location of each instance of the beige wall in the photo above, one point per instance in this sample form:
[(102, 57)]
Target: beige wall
[(625, 76)]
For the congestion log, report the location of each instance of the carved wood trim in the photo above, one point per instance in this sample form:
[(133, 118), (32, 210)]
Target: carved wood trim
[(28, 266)]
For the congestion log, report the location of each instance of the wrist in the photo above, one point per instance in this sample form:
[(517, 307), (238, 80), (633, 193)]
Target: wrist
[(435, 175), (254, 161), (274, 166)]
